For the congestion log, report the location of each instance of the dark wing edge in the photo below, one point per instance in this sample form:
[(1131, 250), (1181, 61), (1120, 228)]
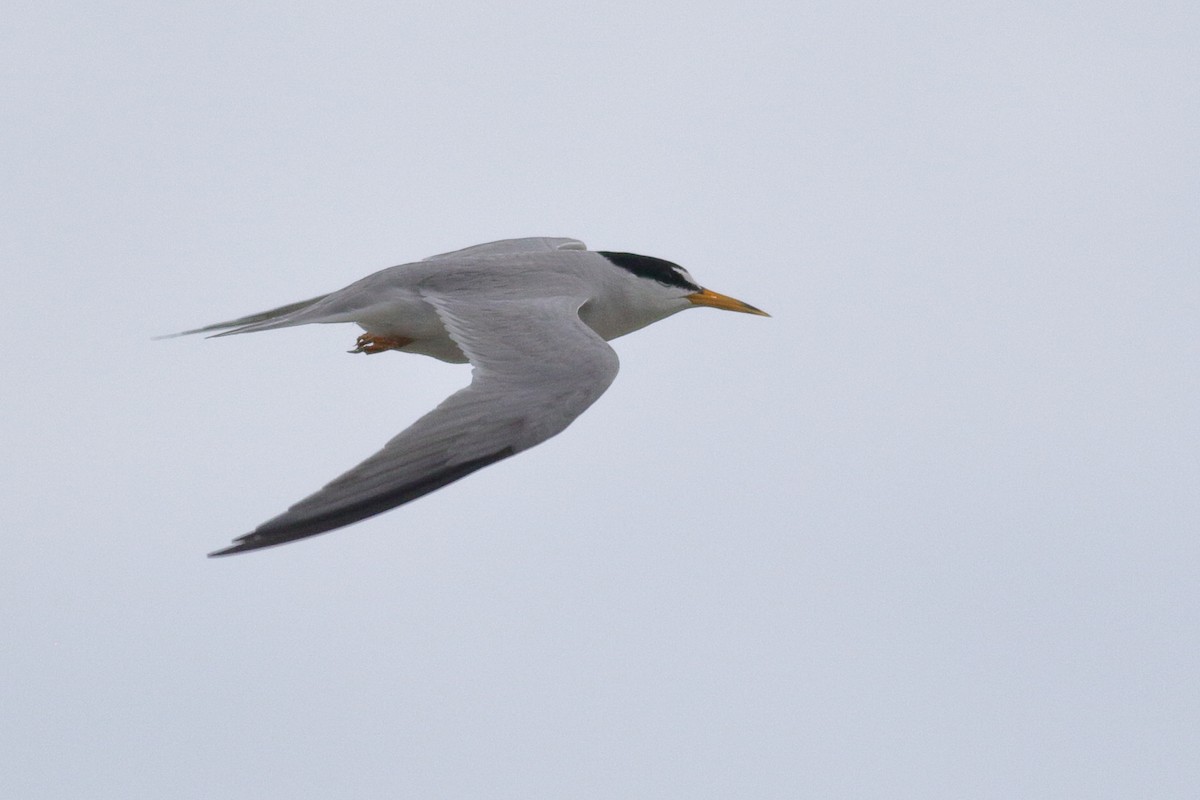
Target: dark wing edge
[(269, 535)]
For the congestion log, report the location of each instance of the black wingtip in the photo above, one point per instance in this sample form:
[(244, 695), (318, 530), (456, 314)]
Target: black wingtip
[(280, 531), (241, 545)]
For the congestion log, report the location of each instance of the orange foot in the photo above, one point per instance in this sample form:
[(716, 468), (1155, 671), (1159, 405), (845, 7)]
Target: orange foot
[(370, 344)]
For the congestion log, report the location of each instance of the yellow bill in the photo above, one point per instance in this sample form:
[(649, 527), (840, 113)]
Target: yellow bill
[(707, 297)]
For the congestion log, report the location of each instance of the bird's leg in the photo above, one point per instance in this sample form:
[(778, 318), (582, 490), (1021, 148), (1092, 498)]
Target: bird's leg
[(370, 344)]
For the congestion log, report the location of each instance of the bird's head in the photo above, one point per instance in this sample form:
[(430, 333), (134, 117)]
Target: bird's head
[(675, 286)]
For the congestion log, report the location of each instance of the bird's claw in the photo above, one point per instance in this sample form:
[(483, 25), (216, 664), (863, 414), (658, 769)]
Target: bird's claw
[(370, 344)]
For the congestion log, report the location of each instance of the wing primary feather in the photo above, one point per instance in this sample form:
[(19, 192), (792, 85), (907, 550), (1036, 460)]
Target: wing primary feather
[(268, 535), (249, 320)]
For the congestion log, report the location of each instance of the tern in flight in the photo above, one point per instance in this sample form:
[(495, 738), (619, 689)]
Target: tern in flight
[(532, 316)]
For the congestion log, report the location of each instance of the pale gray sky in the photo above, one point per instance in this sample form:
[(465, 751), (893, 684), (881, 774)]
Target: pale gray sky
[(930, 532)]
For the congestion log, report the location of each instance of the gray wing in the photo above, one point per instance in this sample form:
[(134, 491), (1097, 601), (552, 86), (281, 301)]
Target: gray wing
[(537, 367), (530, 244), (252, 321), (333, 307)]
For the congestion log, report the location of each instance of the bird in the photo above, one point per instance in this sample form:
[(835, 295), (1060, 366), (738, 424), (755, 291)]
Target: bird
[(533, 317)]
